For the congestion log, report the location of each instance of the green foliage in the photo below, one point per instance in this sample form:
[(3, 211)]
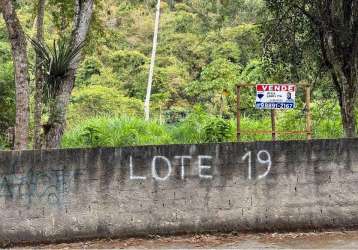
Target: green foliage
[(227, 50), (200, 127), (97, 100), (169, 81), (186, 48), (206, 48), (247, 39), (252, 125), (215, 14), (3, 143), (216, 86), (56, 62), (182, 22), (106, 78), (191, 129), (62, 12), (217, 130), (127, 62), (114, 132), (195, 63), (327, 121), (253, 72), (89, 67), (7, 96)]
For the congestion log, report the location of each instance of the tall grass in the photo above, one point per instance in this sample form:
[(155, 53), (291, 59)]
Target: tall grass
[(117, 131), (200, 127)]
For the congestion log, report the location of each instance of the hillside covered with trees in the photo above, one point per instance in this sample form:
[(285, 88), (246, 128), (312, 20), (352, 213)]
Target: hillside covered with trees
[(205, 48)]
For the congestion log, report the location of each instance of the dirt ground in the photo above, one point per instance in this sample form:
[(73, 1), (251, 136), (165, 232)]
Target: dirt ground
[(326, 240)]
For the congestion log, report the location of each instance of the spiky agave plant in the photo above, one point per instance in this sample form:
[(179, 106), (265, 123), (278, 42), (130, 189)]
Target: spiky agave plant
[(56, 62)]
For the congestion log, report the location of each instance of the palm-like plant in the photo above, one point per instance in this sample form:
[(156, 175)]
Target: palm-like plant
[(56, 62)]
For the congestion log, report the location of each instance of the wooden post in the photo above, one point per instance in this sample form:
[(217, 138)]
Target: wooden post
[(273, 124), (308, 113), (238, 113)]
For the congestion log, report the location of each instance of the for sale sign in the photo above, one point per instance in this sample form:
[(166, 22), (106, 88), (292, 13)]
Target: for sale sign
[(275, 96)]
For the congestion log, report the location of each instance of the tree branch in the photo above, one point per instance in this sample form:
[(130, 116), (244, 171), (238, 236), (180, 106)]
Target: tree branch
[(310, 16)]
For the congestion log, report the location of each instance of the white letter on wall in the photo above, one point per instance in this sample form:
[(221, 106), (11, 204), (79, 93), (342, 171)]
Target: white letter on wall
[(182, 158), (131, 171), (264, 161), (154, 169), (248, 155), (201, 167)]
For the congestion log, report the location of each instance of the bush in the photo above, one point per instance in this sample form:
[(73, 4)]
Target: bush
[(217, 130), (201, 127), (327, 121), (216, 86), (89, 67), (191, 129), (95, 100), (252, 125), (127, 61)]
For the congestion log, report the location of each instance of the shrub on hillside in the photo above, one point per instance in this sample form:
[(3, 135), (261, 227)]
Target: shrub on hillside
[(96, 100)]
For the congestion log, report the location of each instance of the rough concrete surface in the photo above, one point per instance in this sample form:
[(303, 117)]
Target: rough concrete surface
[(323, 240), (117, 192)]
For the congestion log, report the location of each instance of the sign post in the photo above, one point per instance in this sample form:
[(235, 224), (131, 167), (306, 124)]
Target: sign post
[(238, 115), (273, 124), (276, 97), (308, 113)]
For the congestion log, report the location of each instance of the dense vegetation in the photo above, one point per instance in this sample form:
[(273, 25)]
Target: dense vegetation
[(205, 49)]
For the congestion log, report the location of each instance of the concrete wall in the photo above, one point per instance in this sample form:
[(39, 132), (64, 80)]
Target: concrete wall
[(69, 194)]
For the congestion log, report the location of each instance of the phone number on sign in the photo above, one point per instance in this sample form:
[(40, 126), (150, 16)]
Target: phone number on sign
[(275, 105)]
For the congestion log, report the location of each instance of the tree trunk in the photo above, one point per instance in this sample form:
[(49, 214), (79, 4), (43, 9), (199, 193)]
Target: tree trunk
[(55, 127), (346, 88), (336, 23), (39, 78), (348, 117), (18, 46), (338, 27), (347, 100), (342, 61)]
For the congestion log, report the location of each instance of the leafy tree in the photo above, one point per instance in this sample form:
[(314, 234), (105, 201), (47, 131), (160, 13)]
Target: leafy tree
[(216, 86), (97, 100), (62, 13), (19, 55), (253, 72), (91, 66), (329, 27), (62, 63), (187, 48), (126, 62), (215, 14)]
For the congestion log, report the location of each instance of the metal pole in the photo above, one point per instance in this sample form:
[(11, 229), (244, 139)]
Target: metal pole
[(151, 69)]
